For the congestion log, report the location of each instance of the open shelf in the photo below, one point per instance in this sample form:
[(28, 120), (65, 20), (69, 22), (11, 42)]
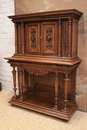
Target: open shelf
[(45, 105)]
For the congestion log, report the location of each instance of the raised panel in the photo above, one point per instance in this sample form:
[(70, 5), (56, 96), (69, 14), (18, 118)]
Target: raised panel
[(49, 38), (74, 37), (64, 37), (32, 37)]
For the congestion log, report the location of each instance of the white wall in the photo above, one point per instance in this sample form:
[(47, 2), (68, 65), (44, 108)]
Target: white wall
[(6, 43)]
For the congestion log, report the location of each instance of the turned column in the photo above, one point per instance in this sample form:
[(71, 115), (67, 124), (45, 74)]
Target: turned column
[(69, 38), (59, 44), (21, 83), (14, 81), (16, 33), (66, 84), (22, 38), (56, 92)]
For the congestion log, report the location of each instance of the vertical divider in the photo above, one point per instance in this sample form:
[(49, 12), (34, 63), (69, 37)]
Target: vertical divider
[(22, 36), (16, 42), (69, 38), (60, 35), (14, 81), (66, 85), (21, 82), (56, 107)]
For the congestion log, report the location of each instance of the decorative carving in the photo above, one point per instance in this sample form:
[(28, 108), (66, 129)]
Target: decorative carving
[(56, 107), (14, 81), (49, 45), (47, 67), (33, 38), (21, 83), (33, 31), (49, 38), (37, 72), (66, 85), (49, 30)]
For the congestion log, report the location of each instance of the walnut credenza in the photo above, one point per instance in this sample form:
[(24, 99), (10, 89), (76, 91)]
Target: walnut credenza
[(46, 59)]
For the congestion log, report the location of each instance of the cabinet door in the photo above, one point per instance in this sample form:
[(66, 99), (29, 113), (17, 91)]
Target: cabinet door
[(32, 37), (49, 38)]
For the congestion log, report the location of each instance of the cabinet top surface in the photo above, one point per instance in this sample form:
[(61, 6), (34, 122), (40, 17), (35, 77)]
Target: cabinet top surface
[(60, 13)]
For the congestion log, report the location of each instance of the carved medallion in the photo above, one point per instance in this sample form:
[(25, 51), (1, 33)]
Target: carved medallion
[(49, 38)]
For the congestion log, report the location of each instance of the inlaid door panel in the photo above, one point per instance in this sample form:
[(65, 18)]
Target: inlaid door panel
[(32, 37), (49, 38)]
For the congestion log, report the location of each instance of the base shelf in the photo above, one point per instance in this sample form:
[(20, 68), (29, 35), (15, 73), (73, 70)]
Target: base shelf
[(45, 105)]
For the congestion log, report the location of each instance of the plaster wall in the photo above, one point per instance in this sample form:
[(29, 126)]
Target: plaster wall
[(6, 42)]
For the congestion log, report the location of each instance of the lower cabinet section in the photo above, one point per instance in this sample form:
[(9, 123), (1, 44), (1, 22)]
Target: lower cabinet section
[(48, 89)]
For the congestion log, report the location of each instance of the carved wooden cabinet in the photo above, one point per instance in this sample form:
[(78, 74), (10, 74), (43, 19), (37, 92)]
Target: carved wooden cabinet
[(46, 47)]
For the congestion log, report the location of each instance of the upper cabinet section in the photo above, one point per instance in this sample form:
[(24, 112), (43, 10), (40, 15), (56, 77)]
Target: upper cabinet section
[(53, 33)]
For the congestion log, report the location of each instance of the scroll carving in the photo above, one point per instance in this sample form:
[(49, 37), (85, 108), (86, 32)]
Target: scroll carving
[(33, 38), (49, 38)]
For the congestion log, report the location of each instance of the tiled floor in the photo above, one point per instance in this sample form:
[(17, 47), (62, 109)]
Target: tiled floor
[(14, 118)]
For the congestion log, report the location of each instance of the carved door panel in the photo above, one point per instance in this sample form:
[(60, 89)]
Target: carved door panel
[(49, 38), (32, 37)]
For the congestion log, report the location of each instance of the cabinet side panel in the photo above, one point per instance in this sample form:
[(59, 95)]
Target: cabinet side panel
[(64, 37), (72, 84), (74, 38)]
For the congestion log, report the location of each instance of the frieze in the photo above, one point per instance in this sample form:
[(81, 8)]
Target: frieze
[(49, 67)]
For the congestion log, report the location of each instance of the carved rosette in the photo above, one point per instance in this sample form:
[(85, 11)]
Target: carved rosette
[(49, 38), (33, 38)]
